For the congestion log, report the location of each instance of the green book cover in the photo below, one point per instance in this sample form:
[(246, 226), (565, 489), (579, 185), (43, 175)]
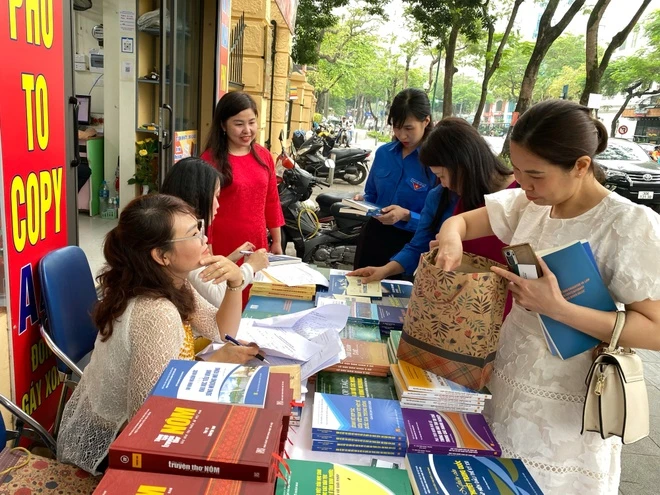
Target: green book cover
[(310, 477), (395, 337), (397, 302), (361, 331), (356, 385)]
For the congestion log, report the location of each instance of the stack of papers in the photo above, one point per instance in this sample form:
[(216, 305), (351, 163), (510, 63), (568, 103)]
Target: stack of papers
[(309, 338)]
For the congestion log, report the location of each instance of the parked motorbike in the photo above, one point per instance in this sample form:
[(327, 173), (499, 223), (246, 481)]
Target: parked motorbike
[(329, 240), (350, 163)]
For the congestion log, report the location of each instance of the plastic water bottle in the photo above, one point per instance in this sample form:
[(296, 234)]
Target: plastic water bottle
[(104, 195)]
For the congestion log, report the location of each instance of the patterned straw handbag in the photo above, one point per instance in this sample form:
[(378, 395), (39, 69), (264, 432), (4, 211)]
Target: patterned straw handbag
[(453, 320)]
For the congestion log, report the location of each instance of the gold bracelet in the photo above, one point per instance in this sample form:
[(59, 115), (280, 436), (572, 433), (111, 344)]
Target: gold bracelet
[(238, 287)]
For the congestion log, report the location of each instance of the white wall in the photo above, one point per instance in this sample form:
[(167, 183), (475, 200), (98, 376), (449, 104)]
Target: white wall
[(83, 43), (119, 103)]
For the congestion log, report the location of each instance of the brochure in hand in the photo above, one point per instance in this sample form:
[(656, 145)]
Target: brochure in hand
[(355, 207)]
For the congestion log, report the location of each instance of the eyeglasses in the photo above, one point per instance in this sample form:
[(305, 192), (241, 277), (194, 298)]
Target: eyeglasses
[(198, 235)]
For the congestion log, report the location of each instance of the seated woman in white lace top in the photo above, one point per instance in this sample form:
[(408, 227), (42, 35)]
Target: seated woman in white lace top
[(536, 410), (198, 184), (146, 318)]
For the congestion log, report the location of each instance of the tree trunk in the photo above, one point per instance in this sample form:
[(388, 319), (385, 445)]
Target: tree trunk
[(615, 120), (435, 60), (450, 53), (373, 115), (595, 70), (526, 89), (547, 34), (492, 66), (592, 84)]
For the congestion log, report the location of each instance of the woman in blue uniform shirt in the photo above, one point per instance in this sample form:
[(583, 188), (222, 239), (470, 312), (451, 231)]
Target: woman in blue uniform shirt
[(397, 182)]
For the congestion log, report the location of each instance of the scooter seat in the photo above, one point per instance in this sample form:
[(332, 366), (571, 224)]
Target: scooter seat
[(346, 152), (326, 200)]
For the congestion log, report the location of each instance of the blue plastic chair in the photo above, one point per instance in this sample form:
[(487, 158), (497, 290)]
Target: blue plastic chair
[(69, 296), (26, 426)]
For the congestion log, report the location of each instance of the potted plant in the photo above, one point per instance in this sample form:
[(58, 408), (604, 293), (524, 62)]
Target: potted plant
[(146, 165)]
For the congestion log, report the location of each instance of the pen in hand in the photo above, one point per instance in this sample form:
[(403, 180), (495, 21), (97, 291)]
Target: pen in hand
[(231, 339)]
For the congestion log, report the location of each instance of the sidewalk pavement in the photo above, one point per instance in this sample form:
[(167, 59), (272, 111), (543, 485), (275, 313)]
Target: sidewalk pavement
[(640, 462)]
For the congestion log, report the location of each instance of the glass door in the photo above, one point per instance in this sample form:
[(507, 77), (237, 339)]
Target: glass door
[(180, 89)]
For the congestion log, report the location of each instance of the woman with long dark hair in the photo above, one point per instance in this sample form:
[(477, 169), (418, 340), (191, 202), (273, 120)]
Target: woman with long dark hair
[(397, 181), (538, 398), (467, 169), (249, 204), (198, 184), (148, 315)]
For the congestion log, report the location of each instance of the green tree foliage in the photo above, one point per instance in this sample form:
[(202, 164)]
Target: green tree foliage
[(562, 65), (314, 18), (466, 93), (346, 52), (442, 22)]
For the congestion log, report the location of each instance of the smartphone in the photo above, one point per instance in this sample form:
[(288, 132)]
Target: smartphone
[(522, 261)]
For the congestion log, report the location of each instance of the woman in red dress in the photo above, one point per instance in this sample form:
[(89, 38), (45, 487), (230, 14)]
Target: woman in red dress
[(249, 203)]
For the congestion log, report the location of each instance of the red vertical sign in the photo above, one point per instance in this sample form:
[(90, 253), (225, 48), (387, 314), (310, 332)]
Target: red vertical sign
[(222, 53), (32, 159)]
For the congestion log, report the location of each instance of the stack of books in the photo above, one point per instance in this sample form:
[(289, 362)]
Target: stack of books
[(175, 436), (224, 383), (442, 475), (358, 425), (313, 477), (421, 389), (118, 482), (363, 358), (390, 318), (354, 385), (445, 433), (393, 341), (264, 285)]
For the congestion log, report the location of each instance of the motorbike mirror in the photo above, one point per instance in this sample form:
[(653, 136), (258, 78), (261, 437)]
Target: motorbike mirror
[(281, 135)]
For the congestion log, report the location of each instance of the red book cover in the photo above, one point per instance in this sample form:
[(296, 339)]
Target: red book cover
[(175, 436), (117, 482), (278, 398)]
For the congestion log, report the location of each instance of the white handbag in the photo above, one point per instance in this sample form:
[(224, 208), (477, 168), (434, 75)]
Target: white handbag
[(616, 402)]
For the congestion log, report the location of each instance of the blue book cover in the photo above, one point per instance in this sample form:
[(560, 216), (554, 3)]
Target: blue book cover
[(391, 318), (366, 313), (359, 416), (396, 289), (221, 383), (434, 474), (276, 305), (581, 284)]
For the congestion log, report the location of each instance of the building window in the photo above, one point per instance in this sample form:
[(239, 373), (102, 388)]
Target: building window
[(498, 106)]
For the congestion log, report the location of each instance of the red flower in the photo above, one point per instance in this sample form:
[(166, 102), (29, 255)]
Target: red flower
[(468, 333)]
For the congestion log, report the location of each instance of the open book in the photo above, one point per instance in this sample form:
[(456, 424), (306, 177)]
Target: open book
[(580, 283), (363, 208)]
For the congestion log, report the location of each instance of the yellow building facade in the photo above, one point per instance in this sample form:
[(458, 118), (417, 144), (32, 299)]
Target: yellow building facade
[(265, 27)]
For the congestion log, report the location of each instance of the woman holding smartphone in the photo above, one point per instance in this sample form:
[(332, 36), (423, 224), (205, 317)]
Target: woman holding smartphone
[(536, 409), (397, 182)]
